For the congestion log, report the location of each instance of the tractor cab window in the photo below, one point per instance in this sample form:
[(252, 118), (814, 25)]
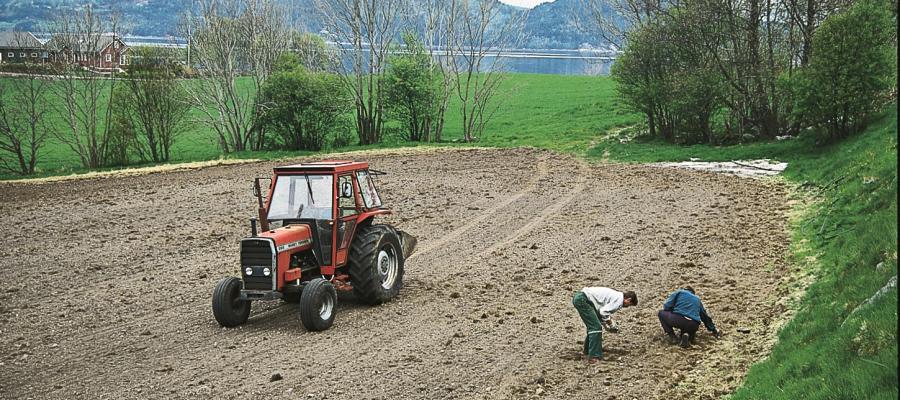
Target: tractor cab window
[(347, 199), (368, 190), (302, 197)]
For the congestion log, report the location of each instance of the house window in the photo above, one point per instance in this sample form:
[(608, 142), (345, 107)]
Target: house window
[(10, 55), (22, 55), (124, 59), (109, 58), (33, 55), (116, 45)]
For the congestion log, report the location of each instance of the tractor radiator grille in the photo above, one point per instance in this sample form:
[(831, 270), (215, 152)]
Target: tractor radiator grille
[(257, 253)]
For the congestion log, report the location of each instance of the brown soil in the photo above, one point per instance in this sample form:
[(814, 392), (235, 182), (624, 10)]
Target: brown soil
[(106, 284)]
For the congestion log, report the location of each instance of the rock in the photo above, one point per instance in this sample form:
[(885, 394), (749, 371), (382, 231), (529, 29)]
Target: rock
[(536, 320), (539, 391), (276, 377), (146, 333), (534, 247), (454, 295), (743, 330)]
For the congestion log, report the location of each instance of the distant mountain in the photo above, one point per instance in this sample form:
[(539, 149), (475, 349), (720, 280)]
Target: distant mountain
[(549, 25)]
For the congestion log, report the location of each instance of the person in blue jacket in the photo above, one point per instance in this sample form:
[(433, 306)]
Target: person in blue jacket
[(684, 310)]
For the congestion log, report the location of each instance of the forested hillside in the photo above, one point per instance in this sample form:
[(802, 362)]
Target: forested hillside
[(549, 25)]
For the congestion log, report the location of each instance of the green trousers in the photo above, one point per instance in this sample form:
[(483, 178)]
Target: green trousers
[(593, 342)]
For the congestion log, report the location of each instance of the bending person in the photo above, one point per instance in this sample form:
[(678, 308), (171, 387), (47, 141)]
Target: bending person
[(684, 310), (596, 305)]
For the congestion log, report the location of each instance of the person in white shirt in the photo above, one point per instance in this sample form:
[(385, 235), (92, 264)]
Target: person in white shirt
[(596, 305)]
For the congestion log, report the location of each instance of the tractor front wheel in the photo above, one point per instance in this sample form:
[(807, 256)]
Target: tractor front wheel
[(228, 308), (318, 304), (376, 264)]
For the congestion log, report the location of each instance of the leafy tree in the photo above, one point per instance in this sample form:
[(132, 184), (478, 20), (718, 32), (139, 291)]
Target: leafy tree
[(304, 107), (665, 73), (851, 69), (413, 89)]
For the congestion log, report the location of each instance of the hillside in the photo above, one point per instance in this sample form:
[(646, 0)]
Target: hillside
[(549, 25)]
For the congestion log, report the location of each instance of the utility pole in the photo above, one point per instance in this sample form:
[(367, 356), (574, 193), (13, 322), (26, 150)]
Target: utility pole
[(190, 37)]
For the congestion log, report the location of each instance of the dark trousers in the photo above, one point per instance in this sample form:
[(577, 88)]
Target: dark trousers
[(670, 320)]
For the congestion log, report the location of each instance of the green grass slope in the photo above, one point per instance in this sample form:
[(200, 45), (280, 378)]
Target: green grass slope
[(842, 343)]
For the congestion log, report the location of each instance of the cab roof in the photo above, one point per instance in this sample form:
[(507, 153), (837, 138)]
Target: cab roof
[(322, 166)]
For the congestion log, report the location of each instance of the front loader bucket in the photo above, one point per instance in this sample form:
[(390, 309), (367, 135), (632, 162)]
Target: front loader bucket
[(407, 243)]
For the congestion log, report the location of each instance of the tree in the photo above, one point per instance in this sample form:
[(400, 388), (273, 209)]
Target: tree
[(367, 29), (667, 73), (478, 36), (84, 93), (413, 89), (24, 104), (231, 38), (305, 106), (726, 60), (154, 102), (847, 81), (312, 52)]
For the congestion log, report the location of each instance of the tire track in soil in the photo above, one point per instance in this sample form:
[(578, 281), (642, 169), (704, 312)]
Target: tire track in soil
[(553, 209), (456, 233)]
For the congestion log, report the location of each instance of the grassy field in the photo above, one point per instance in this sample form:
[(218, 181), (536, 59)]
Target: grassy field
[(842, 343), (556, 112)]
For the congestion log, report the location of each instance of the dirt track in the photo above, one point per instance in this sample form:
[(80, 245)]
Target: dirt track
[(106, 284)]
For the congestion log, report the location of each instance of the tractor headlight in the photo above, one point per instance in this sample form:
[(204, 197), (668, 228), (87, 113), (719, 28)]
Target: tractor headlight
[(267, 271), (248, 271)]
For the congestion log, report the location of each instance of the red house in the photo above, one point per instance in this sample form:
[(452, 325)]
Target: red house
[(102, 52)]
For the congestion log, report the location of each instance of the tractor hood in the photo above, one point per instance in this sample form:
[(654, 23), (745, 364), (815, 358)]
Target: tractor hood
[(292, 237)]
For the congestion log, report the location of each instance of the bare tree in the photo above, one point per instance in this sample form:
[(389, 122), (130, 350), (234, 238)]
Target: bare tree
[(24, 102), (85, 93), (439, 22), (228, 39), (154, 101), (366, 29), (612, 19), (479, 36)]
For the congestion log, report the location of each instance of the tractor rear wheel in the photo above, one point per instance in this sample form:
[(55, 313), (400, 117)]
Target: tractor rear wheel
[(228, 308), (318, 304), (376, 264)]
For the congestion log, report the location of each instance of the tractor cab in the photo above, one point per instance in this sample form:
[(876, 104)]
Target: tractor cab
[(332, 197), (316, 236)]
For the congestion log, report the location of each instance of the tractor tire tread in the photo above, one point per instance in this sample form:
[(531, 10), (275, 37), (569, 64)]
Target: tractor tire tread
[(363, 274), (309, 311), (222, 302)]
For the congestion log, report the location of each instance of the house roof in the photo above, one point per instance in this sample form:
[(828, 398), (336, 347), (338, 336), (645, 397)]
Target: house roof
[(82, 42), (19, 40)]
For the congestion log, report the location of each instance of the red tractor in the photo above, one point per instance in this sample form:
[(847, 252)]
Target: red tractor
[(317, 237)]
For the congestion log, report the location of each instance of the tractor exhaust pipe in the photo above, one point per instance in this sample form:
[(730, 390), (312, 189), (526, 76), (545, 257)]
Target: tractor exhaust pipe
[(407, 244)]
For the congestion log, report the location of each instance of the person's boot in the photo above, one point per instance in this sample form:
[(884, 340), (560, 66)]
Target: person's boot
[(685, 340), (672, 338)]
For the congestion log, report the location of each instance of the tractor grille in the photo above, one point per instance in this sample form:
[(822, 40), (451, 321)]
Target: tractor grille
[(257, 253)]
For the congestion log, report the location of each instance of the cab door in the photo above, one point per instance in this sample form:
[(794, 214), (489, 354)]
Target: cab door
[(348, 210)]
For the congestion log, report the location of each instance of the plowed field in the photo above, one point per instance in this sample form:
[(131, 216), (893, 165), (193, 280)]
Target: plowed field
[(105, 284)]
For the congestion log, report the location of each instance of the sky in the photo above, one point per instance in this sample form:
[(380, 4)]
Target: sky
[(525, 3)]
